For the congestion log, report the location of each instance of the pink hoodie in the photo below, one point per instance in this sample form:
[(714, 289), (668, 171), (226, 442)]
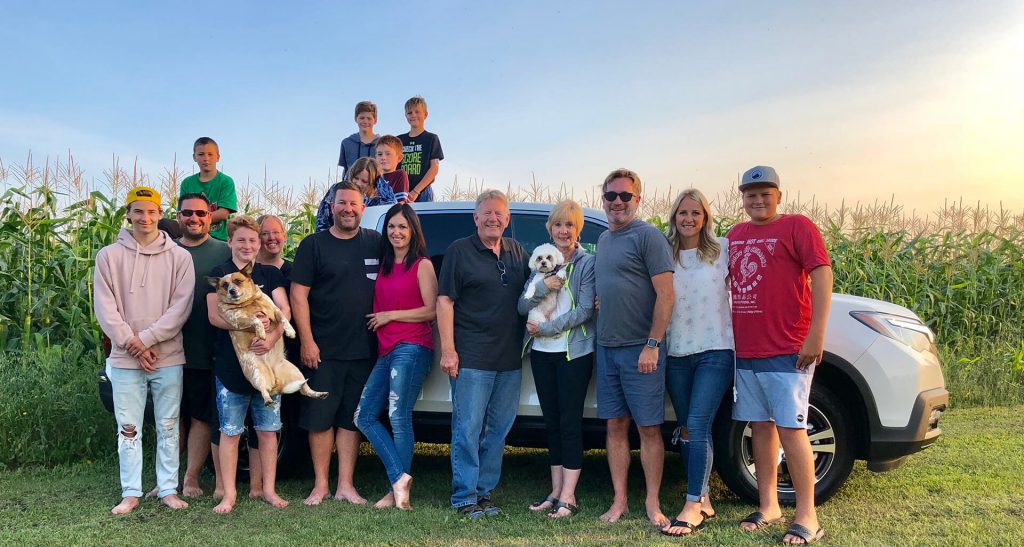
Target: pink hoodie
[(146, 291)]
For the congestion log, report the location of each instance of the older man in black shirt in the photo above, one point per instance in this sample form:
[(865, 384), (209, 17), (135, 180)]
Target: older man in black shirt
[(481, 331)]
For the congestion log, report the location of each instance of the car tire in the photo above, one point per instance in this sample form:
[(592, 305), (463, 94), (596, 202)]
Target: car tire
[(831, 442)]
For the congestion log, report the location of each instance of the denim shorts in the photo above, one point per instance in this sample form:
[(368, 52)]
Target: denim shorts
[(231, 407), (773, 389), (625, 392)]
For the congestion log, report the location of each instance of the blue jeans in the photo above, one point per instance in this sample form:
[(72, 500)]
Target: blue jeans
[(696, 384), (232, 408), (484, 405), (396, 379), (130, 387)]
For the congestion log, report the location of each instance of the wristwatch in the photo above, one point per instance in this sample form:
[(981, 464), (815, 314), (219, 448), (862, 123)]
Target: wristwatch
[(653, 343)]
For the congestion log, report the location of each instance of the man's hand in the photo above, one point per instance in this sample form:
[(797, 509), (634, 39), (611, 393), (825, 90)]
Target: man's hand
[(597, 304), (310, 354), (147, 360), (554, 283), (135, 347), (648, 362), (533, 328), (811, 352), (264, 319), (262, 347), (450, 363)]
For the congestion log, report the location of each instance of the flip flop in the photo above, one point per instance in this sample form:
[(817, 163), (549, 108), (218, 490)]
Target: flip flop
[(536, 506), (804, 533), (694, 528), (708, 516), (757, 519), (573, 509)]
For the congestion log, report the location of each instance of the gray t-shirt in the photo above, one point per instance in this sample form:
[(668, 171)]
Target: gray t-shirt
[(627, 259)]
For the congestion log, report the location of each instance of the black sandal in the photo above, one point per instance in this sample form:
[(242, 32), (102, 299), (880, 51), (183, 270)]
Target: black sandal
[(536, 506), (757, 519), (573, 509), (694, 528), (804, 533)]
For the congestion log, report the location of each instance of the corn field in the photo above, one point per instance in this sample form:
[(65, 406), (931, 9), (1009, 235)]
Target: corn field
[(961, 268)]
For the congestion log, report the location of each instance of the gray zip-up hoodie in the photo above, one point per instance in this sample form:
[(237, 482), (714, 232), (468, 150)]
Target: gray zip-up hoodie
[(145, 291), (577, 325)]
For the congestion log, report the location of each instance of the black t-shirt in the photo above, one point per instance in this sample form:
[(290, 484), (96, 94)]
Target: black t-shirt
[(340, 274), (226, 364), (417, 153), (488, 328)]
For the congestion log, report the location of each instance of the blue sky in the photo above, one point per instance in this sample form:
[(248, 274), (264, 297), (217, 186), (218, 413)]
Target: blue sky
[(855, 101)]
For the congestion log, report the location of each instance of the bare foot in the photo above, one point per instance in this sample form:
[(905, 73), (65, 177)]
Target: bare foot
[(402, 489), (127, 505), (770, 515), (275, 500), (655, 515), (173, 501), (386, 501), (350, 495), (317, 496), (225, 506), (154, 492), (218, 492), (616, 512), (256, 494), (190, 488)]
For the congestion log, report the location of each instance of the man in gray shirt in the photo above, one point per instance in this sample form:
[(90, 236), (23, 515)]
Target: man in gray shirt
[(634, 286)]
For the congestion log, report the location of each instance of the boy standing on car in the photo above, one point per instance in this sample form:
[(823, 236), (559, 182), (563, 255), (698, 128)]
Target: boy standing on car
[(634, 285), (779, 322), (144, 289)]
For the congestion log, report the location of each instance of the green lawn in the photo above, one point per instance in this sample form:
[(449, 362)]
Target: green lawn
[(967, 489)]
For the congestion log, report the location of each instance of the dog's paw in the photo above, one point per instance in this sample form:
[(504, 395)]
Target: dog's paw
[(530, 291)]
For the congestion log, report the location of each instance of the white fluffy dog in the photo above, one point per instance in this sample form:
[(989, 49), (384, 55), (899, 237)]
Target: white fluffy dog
[(546, 259)]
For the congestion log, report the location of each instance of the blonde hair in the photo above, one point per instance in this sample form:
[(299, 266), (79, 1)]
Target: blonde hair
[(416, 101), (708, 248), (619, 173), (263, 218), (244, 221), (567, 210), (372, 169), (489, 195)]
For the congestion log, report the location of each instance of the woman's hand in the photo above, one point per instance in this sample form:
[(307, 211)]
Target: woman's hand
[(553, 282), (533, 328), (378, 320)]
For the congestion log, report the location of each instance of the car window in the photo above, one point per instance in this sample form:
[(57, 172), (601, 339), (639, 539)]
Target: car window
[(530, 230), (441, 228)]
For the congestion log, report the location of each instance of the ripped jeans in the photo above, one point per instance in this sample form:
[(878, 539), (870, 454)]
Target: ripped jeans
[(394, 382), (130, 387)]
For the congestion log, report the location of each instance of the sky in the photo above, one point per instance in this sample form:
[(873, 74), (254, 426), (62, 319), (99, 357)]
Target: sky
[(916, 101)]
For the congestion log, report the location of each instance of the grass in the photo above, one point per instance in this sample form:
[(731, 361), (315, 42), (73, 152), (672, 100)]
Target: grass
[(965, 490)]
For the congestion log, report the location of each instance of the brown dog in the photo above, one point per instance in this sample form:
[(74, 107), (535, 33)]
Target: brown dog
[(240, 301)]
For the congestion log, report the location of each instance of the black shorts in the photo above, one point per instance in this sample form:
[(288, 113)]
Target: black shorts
[(198, 398), (343, 381)]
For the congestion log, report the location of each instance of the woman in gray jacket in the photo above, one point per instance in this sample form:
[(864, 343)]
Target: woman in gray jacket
[(562, 357)]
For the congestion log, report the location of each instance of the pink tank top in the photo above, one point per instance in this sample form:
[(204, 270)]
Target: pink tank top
[(399, 290)]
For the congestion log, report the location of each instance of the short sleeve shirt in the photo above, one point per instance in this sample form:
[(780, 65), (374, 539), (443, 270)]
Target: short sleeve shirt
[(627, 259), (771, 294), (340, 274), (220, 190), (417, 153), (226, 367), (488, 328), (198, 335)]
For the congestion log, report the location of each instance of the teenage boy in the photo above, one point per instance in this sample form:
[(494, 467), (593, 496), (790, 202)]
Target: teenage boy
[(235, 395), (216, 186), (634, 284), (197, 396), (421, 151), (779, 319), (362, 144), (389, 156), (331, 294), (143, 287)]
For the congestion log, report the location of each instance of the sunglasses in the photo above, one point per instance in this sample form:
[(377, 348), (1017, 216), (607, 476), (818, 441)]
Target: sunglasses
[(189, 212), (626, 197), (504, 275)]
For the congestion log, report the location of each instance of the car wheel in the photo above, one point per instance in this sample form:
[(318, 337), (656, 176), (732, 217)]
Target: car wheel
[(831, 443)]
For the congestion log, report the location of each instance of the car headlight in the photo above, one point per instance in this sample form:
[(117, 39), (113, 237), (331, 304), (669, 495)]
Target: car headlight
[(909, 330)]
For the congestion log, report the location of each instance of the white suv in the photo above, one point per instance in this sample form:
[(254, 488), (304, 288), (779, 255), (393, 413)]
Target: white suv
[(877, 396)]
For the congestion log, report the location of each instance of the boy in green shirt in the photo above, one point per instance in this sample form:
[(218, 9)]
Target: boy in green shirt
[(216, 186)]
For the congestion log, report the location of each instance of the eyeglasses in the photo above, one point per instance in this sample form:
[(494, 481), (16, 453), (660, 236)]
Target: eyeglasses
[(189, 212), (504, 275), (626, 197)]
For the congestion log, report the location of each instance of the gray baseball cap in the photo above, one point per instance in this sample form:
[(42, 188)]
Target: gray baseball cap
[(761, 174)]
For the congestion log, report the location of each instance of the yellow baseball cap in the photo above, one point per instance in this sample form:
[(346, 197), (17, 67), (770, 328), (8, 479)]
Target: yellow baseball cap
[(144, 193)]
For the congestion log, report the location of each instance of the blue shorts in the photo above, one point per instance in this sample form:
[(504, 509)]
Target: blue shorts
[(231, 408), (772, 389), (624, 392)]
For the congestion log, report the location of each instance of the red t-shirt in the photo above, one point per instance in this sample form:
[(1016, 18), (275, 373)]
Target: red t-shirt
[(771, 296), (400, 290)]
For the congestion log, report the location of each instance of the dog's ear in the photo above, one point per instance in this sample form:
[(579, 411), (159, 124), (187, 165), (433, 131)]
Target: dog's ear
[(247, 270), (215, 281)]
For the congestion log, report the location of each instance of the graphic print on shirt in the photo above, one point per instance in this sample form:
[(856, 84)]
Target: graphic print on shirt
[(412, 159), (747, 262)]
